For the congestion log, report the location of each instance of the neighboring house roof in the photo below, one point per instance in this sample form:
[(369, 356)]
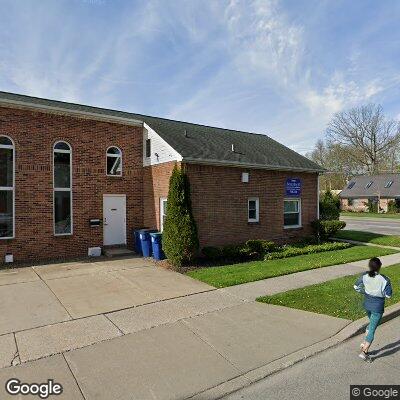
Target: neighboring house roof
[(361, 186), (194, 142)]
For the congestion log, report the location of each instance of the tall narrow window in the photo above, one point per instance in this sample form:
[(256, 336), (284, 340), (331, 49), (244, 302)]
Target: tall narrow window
[(114, 161), (253, 209), (6, 188), (163, 212), (148, 147), (62, 189)]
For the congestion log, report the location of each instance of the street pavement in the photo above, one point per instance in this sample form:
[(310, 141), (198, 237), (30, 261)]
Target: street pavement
[(384, 226), (329, 374)]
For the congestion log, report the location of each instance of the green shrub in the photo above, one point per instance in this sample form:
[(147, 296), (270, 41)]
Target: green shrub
[(261, 246), (372, 206), (212, 253), (393, 207), (235, 251), (179, 240), (291, 251), (329, 206), (325, 229)]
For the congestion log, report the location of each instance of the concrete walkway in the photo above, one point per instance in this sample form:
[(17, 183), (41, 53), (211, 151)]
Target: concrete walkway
[(190, 338), (252, 290)]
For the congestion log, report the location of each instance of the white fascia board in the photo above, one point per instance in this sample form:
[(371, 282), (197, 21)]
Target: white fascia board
[(77, 113)]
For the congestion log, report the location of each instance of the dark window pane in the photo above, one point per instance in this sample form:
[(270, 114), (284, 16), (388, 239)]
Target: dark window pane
[(62, 146), (6, 213), (62, 212), (62, 176), (148, 147), (114, 166), (252, 214), (113, 150), (6, 167), (291, 219), (291, 206), (252, 205), (6, 141)]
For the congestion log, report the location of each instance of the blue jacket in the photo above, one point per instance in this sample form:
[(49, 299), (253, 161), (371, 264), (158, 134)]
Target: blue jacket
[(375, 290)]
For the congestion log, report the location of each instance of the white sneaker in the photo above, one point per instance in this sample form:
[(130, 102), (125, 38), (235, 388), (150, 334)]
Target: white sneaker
[(365, 357)]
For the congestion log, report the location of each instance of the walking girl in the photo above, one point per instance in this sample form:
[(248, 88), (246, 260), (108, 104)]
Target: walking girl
[(376, 288)]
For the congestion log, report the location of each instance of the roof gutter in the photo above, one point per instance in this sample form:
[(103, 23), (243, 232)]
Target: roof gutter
[(62, 110), (217, 163)]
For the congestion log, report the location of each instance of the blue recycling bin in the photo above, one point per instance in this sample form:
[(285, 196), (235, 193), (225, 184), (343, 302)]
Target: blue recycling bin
[(156, 245), (145, 241), (137, 242)]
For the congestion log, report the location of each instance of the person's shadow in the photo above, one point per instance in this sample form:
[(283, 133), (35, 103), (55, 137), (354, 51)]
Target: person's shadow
[(385, 351)]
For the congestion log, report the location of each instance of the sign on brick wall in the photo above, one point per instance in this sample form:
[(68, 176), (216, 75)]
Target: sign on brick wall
[(293, 187)]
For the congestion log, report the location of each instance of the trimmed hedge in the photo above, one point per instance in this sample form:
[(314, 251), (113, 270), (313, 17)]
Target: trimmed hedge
[(325, 229), (291, 251), (261, 246)]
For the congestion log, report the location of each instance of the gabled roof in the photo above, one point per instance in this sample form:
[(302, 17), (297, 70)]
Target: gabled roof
[(194, 142), (361, 186)]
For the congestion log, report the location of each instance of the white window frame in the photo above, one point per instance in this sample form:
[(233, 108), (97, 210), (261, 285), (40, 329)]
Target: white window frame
[(62, 189), (10, 188), (116, 156), (162, 212), (257, 201), (299, 225)]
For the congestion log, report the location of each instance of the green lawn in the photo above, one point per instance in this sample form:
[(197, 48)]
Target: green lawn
[(369, 215), (375, 238), (229, 275), (336, 297)]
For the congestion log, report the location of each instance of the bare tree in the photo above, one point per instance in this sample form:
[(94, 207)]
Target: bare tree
[(369, 137)]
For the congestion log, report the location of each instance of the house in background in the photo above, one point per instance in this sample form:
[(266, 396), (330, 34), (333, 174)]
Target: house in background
[(364, 191), (76, 178)]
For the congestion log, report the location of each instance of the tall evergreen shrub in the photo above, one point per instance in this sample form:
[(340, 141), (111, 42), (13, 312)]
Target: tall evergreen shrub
[(180, 240)]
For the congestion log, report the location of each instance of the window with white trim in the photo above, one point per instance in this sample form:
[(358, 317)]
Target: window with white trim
[(292, 213), (114, 161), (7, 167), (253, 212), (148, 147), (62, 181), (163, 212)]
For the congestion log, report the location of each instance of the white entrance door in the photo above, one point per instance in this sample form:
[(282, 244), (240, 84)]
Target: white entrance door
[(114, 214)]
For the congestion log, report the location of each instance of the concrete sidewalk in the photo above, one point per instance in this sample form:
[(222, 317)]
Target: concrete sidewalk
[(252, 290), (179, 359)]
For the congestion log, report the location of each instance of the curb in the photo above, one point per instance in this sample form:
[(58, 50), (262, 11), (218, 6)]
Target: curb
[(255, 375), (364, 243)]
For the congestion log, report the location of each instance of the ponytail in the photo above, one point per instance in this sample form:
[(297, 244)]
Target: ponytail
[(374, 266)]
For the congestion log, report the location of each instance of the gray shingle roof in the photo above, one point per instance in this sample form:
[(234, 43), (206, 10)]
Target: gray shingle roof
[(200, 143), (362, 189)]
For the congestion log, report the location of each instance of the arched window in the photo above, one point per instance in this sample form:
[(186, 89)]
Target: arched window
[(7, 187), (114, 161), (62, 178)]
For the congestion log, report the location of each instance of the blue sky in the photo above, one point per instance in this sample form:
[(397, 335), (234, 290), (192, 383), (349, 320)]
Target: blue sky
[(277, 67)]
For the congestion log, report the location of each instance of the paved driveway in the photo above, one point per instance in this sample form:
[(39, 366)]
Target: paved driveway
[(48, 294), (384, 226)]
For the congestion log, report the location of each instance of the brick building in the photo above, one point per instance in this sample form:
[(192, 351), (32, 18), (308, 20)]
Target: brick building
[(365, 192), (75, 177)]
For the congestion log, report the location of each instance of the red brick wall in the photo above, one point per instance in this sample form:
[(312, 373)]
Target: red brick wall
[(219, 201), (34, 134), (155, 186)]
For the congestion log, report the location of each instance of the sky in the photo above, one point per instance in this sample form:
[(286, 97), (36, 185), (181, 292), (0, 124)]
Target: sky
[(282, 68)]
